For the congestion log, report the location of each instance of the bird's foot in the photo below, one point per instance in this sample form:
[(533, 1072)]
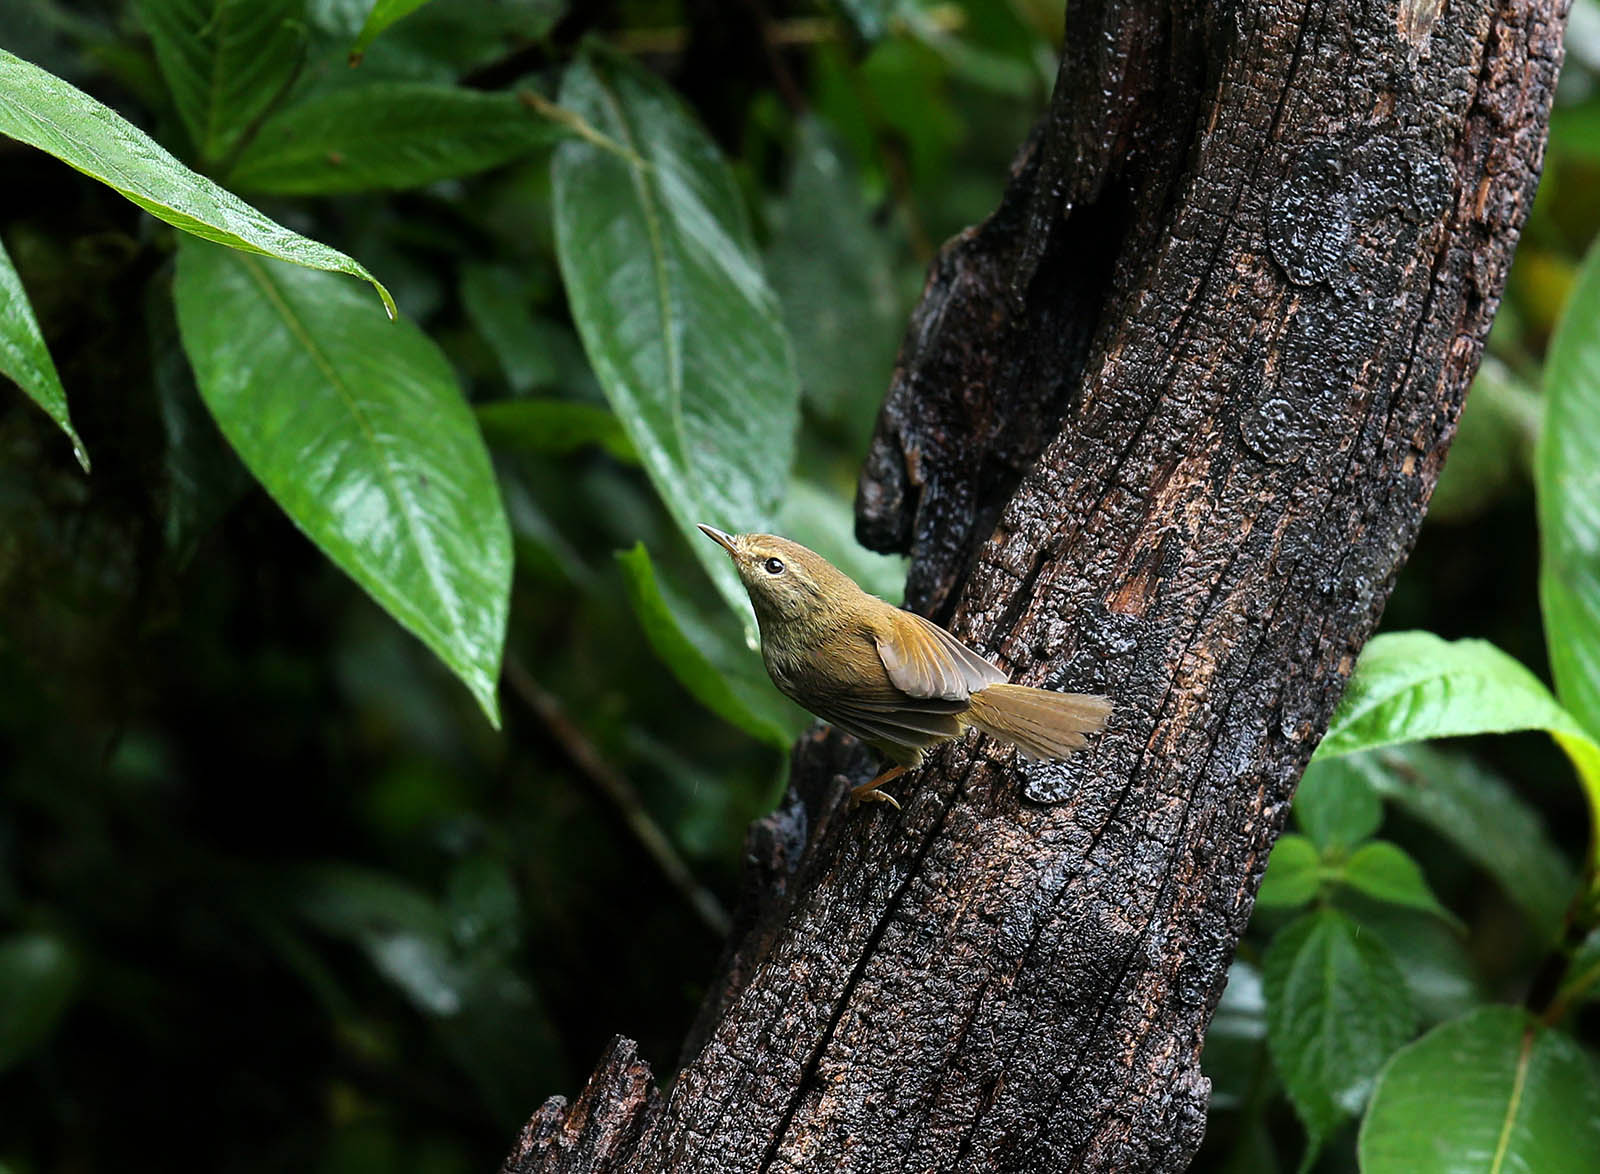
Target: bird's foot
[(870, 793)]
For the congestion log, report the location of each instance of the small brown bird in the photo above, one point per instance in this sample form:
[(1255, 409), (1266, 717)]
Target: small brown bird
[(898, 682)]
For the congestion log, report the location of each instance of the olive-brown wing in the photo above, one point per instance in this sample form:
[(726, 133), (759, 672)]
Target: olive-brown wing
[(925, 661)]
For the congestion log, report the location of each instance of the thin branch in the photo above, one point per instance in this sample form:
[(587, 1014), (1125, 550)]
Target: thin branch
[(620, 793)]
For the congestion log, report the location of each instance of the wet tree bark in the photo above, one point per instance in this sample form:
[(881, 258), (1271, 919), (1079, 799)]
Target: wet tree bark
[(1165, 427)]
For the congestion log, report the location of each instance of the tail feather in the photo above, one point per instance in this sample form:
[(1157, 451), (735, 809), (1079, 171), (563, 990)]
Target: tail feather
[(1038, 722)]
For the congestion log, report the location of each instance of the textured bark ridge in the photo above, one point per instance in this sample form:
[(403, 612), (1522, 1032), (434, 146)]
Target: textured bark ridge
[(1164, 427)]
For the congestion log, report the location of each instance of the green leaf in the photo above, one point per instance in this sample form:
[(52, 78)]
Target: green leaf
[(357, 429), (384, 13), (1384, 872), (724, 675), (553, 426), (1336, 805), (26, 360), (1567, 478), (1412, 686), (1483, 818), (38, 981), (388, 135), (43, 111), (667, 292), (1337, 1008), (224, 62), (834, 275), (1294, 874), (1490, 1093)]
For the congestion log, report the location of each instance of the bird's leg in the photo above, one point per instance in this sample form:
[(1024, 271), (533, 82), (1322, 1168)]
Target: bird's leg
[(869, 793)]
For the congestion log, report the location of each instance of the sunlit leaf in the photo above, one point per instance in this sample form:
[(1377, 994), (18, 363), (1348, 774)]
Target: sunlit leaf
[(1413, 686), (1337, 1008), (357, 429), (1490, 1093), (388, 135), (44, 111), (668, 295), (26, 360), (224, 61)]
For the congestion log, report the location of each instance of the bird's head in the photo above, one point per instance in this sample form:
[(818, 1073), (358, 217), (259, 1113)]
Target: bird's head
[(785, 581)]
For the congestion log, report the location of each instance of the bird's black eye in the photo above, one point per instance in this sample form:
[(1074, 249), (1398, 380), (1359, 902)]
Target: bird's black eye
[(774, 566)]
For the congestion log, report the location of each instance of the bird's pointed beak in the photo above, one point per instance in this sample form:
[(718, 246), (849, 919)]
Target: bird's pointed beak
[(723, 540)]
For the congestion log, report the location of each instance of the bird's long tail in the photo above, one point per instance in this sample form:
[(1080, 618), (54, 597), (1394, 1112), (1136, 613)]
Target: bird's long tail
[(1038, 722)]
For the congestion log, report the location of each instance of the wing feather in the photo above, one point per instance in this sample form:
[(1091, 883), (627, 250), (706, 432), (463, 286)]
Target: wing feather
[(923, 660)]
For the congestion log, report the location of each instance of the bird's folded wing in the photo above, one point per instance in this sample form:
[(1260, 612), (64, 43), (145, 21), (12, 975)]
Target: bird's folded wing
[(923, 660), (911, 727)]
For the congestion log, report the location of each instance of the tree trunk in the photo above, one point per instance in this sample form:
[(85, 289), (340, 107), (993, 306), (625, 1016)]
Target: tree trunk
[(1164, 427)]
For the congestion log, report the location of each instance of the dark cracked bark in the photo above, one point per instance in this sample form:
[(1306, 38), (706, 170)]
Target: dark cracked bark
[(1164, 427)]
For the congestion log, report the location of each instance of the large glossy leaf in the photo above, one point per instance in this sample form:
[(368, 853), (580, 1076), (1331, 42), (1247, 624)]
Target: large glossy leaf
[(1490, 1093), (357, 429), (1412, 686), (388, 135), (38, 981), (1337, 1008), (40, 109), (1568, 482), (224, 61), (26, 360), (675, 314), (1483, 818), (724, 675)]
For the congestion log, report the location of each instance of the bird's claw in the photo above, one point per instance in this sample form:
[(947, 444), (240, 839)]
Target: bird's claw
[(870, 795)]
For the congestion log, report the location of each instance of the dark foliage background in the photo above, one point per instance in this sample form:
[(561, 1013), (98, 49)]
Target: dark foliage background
[(273, 894)]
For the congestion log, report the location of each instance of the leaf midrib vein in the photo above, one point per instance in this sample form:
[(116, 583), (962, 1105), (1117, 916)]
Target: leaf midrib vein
[(385, 467)]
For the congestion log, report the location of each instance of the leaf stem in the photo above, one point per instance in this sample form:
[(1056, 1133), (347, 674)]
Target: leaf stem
[(578, 125), (620, 793)]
